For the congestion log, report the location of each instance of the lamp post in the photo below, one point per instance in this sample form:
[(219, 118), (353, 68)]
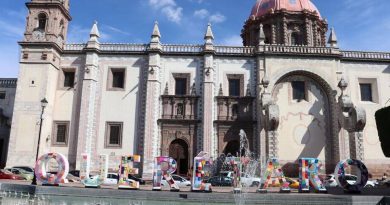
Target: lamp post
[(43, 105)]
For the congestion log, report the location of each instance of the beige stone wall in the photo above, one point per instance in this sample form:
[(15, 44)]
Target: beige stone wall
[(186, 65), (35, 82), (234, 65), (378, 74), (303, 125), (121, 106)]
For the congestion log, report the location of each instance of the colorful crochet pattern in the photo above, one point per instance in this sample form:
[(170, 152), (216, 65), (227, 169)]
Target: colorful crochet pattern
[(202, 169), (95, 181), (125, 169), (309, 169), (47, 178), (362, 175), (274, 168), (164, 167)]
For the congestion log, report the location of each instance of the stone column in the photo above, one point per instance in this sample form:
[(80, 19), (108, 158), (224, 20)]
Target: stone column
[(153, 87), (90, 98), (308, 31), (208, 95), (260, 72), (285, 30)]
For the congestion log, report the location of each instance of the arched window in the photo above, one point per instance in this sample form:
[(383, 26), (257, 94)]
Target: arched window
[(296, 39), (62, 27), (42, 21)]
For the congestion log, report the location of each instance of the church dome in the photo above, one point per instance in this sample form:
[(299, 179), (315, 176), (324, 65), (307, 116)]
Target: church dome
[(263, 7)]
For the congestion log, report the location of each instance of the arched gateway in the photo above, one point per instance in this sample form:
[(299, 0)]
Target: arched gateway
[(178, 150), (306, 103)]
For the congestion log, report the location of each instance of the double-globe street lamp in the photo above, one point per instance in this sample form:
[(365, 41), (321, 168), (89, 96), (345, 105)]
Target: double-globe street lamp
[(43, 105)]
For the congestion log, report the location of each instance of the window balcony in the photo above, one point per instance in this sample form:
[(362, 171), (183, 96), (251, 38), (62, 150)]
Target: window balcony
[(235, 108), (177, 107)]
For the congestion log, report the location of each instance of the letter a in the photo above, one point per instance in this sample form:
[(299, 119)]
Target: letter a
[(273, 167)]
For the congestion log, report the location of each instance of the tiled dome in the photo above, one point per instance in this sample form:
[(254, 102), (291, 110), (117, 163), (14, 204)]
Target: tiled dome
[(262, 7)]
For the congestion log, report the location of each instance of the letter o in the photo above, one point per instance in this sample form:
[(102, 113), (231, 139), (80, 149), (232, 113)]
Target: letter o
[(341, 178), (47, 178)]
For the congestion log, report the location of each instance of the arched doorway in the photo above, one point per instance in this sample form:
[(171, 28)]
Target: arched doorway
[(178, 150), (306, 107), (232, 148)]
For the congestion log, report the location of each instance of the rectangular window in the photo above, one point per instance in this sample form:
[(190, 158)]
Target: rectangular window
[(60, 133), (69, 79), (234, 87), (114, 134), (299, 90), (366, 92), (2, 95), (116, 79), (180, 86)]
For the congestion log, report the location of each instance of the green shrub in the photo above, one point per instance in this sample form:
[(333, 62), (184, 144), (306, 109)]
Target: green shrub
[(382, 118)]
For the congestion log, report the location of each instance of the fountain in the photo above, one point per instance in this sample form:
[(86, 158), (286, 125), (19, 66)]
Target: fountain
[(247, 165)]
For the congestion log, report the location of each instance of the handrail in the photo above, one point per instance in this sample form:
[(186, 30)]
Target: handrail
[(297, 49), (123, 47), (74, 46), (177, 48), (8, 82), (234, 50), (366, 55)]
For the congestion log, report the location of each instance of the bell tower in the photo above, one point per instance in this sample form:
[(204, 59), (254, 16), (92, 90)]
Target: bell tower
[(47, 21), (39, 71)]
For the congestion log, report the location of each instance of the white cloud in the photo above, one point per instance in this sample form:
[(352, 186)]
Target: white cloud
[(202, 13), (213, 18), (11, 29), (198, 1), (234, 40), (217, 18), (79, 34), (173, 14), (116, 30), (169, 8), (158, 4)]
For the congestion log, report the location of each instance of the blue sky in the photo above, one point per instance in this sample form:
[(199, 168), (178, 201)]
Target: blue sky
[(359, 24)]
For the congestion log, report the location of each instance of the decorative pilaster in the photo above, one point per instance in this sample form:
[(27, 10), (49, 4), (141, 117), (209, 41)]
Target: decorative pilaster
[(273, 32), (285, 30), (261, 135), (271, 120), (90, 97), (208, 94), (352, 119), (308, 31), (315, 35), (151, 138)]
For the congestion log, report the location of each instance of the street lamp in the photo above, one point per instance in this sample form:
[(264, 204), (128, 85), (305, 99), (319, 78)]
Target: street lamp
[(43, 105)]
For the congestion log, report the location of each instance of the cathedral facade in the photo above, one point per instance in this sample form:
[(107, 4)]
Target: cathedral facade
[(290, 87)]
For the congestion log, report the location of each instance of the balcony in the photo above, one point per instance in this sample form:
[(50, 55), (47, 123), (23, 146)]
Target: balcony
[(183, 108), (234, 108)]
